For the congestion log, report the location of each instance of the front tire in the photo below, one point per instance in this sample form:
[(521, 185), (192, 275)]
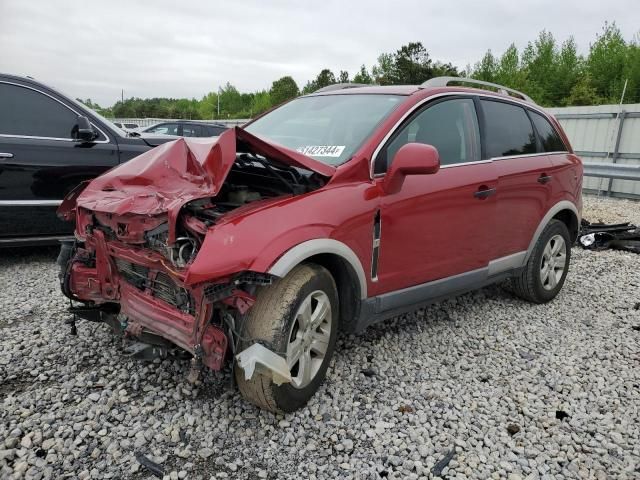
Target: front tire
[(296, 317), (544, 274)]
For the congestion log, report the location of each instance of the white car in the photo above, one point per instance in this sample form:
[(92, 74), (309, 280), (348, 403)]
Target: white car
[(127, 126)]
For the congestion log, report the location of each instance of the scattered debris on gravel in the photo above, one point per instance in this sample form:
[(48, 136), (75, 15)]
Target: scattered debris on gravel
[(600, 236), (481, 386)]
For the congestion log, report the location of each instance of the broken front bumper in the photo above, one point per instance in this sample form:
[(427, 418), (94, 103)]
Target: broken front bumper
[(148, 295)]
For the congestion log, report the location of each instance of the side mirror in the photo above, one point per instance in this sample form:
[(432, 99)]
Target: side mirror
[(411, 159), (83, 131)]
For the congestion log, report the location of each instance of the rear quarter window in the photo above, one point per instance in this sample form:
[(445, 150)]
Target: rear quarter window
[(508, 130), (551, 141)]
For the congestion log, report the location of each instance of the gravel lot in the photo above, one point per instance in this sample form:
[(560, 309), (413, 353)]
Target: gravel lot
[(503, 388)]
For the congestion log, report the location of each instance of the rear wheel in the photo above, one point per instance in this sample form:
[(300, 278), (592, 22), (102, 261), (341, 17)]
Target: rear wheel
[(544, 274), (298, 318)]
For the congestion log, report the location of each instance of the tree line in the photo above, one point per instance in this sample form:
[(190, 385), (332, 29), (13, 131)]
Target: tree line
[(553, 74)]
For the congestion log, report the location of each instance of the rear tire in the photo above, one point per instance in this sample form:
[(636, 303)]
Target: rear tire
[(544, 274), (296, 317)]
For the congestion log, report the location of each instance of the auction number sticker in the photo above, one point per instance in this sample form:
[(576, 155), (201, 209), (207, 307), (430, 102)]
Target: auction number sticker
[(322, 150)]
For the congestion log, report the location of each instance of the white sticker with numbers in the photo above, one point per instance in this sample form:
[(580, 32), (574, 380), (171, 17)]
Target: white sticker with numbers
[(322, 150)]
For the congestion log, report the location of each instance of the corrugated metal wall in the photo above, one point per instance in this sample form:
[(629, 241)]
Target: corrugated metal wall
[(604, 133)]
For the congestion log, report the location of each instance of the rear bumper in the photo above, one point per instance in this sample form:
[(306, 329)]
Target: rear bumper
[(94, 274)]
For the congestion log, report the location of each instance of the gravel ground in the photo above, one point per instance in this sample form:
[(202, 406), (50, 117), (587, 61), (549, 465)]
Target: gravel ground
[(500, 388)]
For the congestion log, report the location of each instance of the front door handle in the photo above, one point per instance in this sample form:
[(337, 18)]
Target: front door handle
[(544, 178), (6, 155), (484, 193)]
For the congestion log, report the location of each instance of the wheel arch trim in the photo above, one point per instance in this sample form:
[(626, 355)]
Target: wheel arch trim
[(299, 253), (552, 212)]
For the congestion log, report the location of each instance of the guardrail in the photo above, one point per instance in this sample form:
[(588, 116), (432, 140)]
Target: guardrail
[(605, 136), (618, 171)]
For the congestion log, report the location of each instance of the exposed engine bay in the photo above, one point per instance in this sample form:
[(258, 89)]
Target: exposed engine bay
[(130, 263), (251, 179)]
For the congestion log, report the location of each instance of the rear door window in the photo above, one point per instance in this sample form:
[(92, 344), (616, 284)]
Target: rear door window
[(27, 112), (508, 130), (551, 141)]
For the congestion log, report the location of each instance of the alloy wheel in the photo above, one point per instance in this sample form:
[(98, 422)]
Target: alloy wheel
[(553, 263), (309, 338)]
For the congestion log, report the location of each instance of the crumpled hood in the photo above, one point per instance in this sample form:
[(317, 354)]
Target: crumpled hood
[(170, 175)]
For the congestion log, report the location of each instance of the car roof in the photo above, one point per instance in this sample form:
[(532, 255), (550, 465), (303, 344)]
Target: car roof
[(407, 90), (27, 81), (373, 89), (435, 85)]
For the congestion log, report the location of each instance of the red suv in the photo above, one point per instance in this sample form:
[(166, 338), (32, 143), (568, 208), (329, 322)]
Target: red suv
[(334, 211)]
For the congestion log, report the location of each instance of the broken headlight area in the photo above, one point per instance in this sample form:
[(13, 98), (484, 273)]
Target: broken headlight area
[(143, 298), (141, 226)]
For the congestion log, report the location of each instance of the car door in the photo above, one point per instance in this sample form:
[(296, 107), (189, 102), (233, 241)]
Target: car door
[(441, 225), (40, 161), (524, 174), (563, 176)]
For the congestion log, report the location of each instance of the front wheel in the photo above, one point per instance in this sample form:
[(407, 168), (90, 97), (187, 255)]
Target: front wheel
[(296, 317), (544, 274)]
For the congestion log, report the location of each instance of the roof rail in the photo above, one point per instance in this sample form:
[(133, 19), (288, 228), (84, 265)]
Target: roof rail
[(341, 86), (445, 81)]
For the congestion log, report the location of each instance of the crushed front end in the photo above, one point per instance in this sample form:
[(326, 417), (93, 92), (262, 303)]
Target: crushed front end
[(140, 227), (141, 294)]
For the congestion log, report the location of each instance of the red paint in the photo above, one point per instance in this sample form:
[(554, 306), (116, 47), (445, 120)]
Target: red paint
[(522, 201), (434, 227), (411, 159), (432, 224)]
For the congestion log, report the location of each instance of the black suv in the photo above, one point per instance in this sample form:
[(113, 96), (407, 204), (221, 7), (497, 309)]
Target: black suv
[(48, 144)]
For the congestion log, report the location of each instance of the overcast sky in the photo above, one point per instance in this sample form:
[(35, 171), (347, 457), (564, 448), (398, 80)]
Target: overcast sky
[(186, 49)]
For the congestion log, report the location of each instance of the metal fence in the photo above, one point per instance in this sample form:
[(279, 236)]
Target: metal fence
[(147, 122), (607, 138)]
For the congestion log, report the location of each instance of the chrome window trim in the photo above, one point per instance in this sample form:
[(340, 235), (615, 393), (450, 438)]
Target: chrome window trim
[(452, 165), (464, 164), (107, 138), (30, 203), (31, 137), (524, 155), (418, 105)]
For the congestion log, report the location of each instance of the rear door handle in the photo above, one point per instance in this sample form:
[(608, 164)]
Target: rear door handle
[(6, 155), (484, 193), (544, 178)]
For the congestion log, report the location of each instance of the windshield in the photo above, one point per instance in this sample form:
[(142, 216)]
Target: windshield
[(329, 128)]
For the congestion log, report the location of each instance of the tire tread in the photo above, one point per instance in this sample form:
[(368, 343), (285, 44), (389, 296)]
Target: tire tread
[(264, 321), (524, 283)]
